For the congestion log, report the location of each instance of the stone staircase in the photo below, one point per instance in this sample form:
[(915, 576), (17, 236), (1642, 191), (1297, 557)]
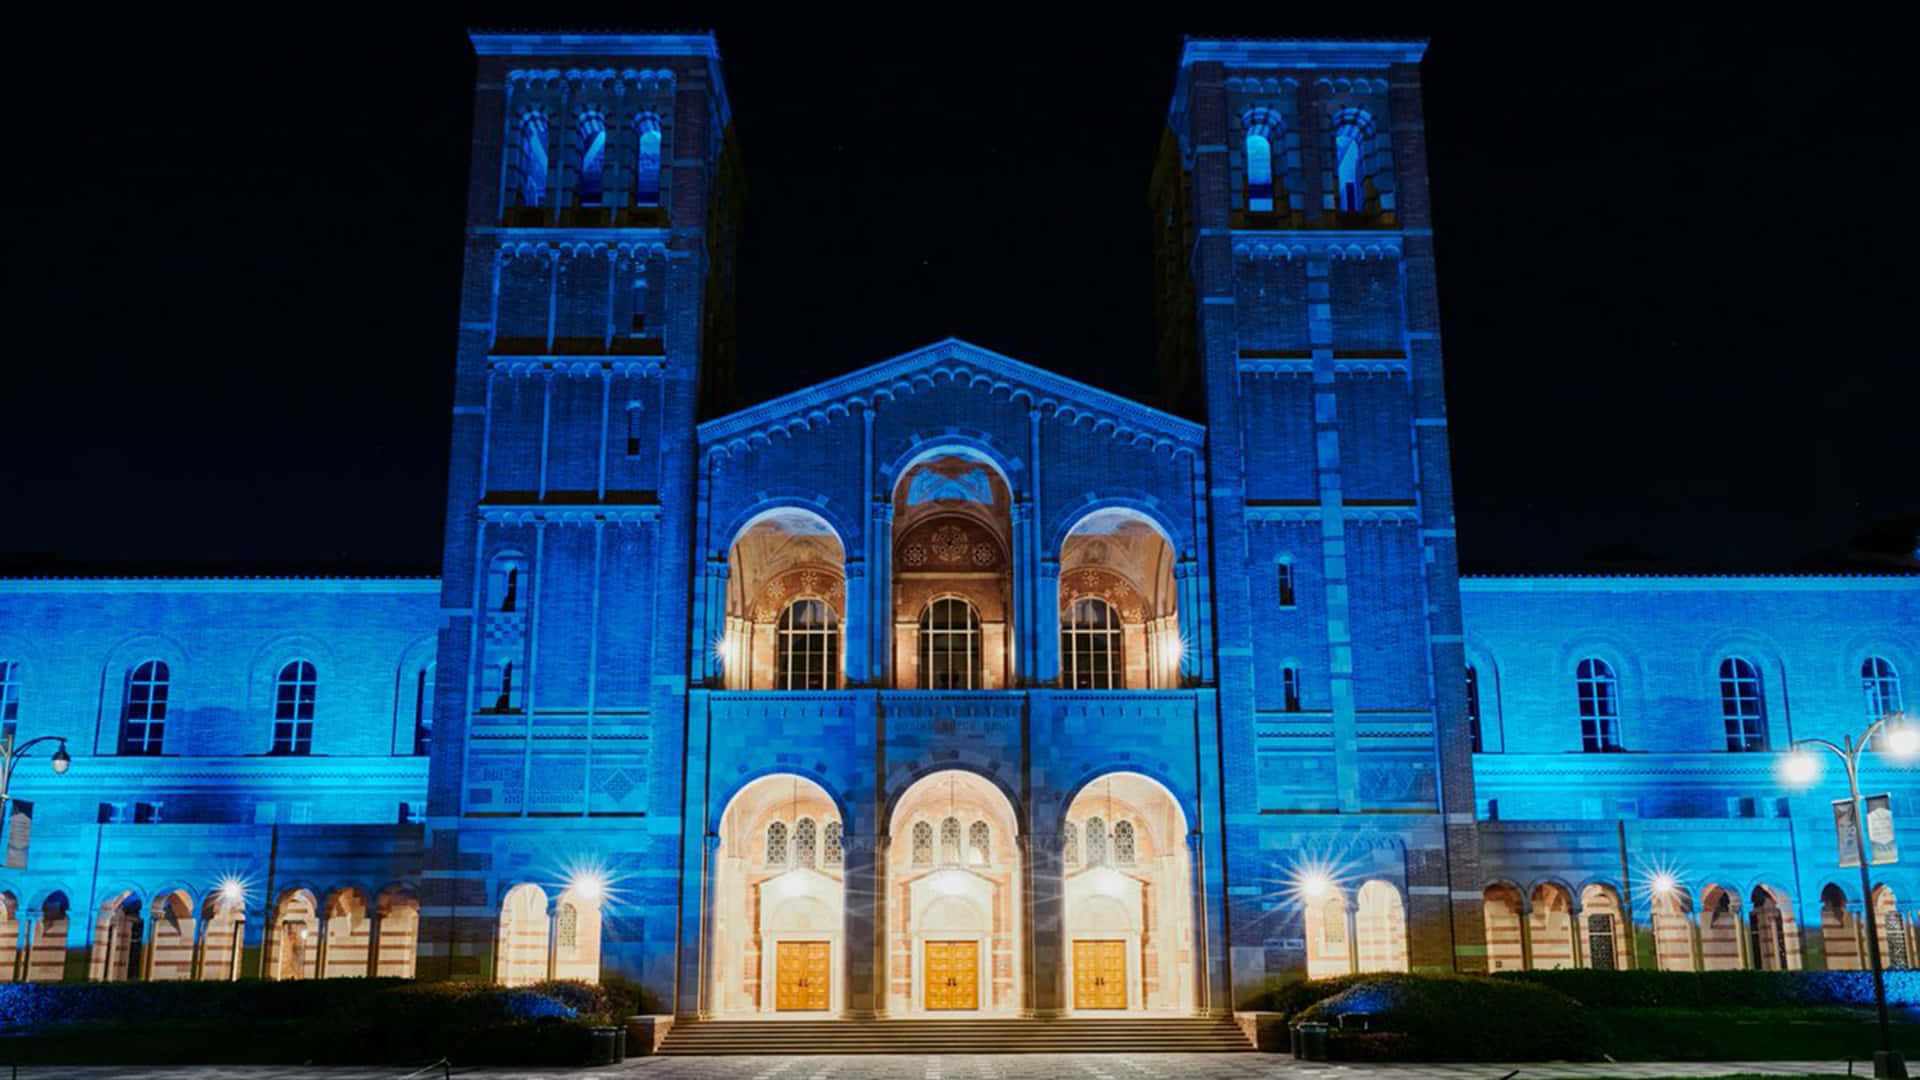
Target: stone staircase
[(1078, 1035)]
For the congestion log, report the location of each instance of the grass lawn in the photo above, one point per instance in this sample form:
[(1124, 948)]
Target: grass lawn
[(1746, 1033)]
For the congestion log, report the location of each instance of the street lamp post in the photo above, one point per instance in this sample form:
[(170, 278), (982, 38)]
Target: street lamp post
[(10, 756), (1902, 741)]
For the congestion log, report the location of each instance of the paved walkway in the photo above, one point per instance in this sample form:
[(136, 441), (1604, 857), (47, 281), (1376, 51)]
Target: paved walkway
[(966, 1067)]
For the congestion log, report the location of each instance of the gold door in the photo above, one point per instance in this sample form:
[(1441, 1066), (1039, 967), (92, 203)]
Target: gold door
[(953, 974), (1099, 974), (801, 974)]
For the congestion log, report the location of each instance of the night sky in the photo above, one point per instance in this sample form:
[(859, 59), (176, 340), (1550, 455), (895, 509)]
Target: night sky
[(1667, 267)]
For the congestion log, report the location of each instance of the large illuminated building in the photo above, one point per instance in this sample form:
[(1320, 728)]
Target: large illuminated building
[(946, 685)]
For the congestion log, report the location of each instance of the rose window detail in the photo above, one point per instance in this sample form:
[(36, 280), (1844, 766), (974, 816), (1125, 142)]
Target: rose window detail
[(949, 543)]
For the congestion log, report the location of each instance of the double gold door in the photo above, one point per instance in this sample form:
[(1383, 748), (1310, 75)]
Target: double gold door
[(953, 975), (802, 975), (1099, 974)]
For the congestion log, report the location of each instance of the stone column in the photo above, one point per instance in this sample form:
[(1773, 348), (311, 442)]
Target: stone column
[(1526, 934), (1693, 941), (373, 939), (1351, 911), (23, 946), (1576, 915), (861, 881), (1046, 925)]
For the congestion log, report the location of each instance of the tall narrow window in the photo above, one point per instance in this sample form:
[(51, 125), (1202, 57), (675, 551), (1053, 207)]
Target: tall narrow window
[(806, 839), (1070, 844), (1096, 841), (593, 158), (1741, 707), (807, 647), (833, 845), (1125, 850), (423, 711), (949, 646), (979, 844), (1259, 170), (1349, 163), (9, 698), (1599, 693), (950, 842), (1285, 584), (533, 159), (1290, 689), (293, 697), (922, 843), (1881, 685), (511, 597), (1090, 646), (143, 723), (1473, 708), (777, 844), (646, 160), (506, 702)]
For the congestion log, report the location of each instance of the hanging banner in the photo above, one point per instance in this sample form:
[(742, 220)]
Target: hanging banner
[(1881, 849), (1844, 828)]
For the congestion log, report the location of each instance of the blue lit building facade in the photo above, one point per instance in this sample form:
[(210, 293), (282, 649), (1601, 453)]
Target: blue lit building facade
[(947, 685)]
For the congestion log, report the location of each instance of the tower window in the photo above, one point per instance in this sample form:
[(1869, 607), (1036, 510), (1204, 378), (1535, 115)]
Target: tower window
[(1096, 841), (1090, 646), (1290, 688), (950, 842), (506, 702), (593, 158), (143, 722), (806, 839), (646, 160), (1284, 582), (807, 647), (1473, 709), (1125, 850), (533, 159), (1599, 694), (9, 698), (949, 646), (423, 711), (293, 699), (635, 414), (1259, 172), (1351, 132), (1070, 844), (1881, 685), (1742, 708)]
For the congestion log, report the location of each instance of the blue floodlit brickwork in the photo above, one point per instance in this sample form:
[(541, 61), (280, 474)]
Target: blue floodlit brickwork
[(697, 692)]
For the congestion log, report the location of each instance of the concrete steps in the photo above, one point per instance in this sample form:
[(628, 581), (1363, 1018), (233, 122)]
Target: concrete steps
[(1077, 1035)]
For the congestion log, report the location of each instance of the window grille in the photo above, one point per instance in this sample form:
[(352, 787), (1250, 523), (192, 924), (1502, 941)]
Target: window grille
[(533, 159), (833, 845), (950, 842), (777, 844), (807, 645), (593, 158), (1096, 842), (949, 646), (1090, 646), (293, 700), (567, 927), (922, 844), (1350, 136), (979, 844), (1070, 844), (144, 722), (646, 160), (1742, 708), (1259, 171), (1599, 693), (805, 842), (1124, 850)]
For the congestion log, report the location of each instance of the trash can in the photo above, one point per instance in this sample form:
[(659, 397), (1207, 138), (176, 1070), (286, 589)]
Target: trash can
[(602, 1044), (1313, 1041), (620, 1044), (1294, 1042), (1355, 1021)]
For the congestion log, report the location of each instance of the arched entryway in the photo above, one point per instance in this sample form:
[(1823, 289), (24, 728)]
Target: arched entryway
[(47, 951), (953, 873), (1722, 940), (1775, 937), (1840, 932), (1604, 941), (223, 917), (1502, 911), (1380, 927), (397, 941), (520, 948), (175, 930), (1329, 930), (1128, 899), (1550, 925), (293, 938), (1673, 929), (777, 934), (117, 944)]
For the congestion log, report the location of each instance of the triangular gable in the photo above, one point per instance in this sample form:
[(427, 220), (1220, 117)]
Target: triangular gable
[(955, 359)]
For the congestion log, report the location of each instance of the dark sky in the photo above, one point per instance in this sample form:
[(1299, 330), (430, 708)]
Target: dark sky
[(1666, 262)]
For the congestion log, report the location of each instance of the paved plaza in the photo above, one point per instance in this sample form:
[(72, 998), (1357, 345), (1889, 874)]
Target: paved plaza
[(971, 1067)]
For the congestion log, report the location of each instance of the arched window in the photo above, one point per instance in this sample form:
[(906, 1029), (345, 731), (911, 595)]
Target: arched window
[(807, 647), (1473, 708), (805, 842), (1599, 693), (593, 158), (1350, 134), (503, 583), (1881, 684), (143, 723), (1741, 706), (950, 842), (508, 699), (949, 645), (1125, 851), (833, 846), (1284, 585), (1259, 168), (1333, 923), (1070, 844), (979, 844), (1090, 646), (777, 844), (1289, 689), (423, 711), (922, 844), (533, 159), (1096, 842), (646, 160), (566, 927), (9, 698), (293, 696)]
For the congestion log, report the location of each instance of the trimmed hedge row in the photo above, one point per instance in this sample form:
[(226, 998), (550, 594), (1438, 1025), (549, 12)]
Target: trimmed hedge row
[(1631, 989), (326, 1021), (1454, 1018)]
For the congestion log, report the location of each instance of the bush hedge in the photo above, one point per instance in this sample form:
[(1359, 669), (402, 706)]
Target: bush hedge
[(1708, 989), (1454, 1018), (325, 1021)]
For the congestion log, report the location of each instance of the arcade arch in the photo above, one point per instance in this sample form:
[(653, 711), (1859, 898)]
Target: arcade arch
[(778, 901), (1128, 899), (954, 925), (1840, 932), (1119, 612), (543, 937), (952, 574), (1672, 915), (786, 605)]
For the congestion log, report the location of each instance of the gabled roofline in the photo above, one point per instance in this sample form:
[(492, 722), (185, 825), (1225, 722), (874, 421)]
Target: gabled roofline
[(1304, 52), (593, 43), (962, 353)]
